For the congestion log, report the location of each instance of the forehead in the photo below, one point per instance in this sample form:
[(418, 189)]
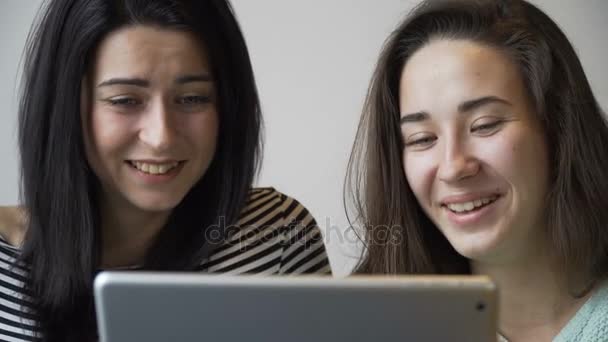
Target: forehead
[(446, 72), (146, 51)]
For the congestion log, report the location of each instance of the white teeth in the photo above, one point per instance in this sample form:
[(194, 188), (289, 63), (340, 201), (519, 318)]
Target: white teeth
[(456, 207), (154, 169), (468, 206)]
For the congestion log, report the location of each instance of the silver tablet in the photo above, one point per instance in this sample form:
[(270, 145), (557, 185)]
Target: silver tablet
[(155, 307)]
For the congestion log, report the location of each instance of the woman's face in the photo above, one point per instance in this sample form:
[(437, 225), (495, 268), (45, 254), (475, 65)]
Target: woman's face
[(150, 116), (475, 154)]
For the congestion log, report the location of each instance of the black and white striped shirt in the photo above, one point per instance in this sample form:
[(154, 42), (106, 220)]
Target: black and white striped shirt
[(275, 235)]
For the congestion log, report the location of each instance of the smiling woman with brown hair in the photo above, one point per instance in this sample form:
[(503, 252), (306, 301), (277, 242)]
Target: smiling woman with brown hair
[(482, 150), (139, 135)]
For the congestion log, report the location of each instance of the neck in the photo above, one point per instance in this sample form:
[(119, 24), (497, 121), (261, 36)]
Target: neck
[(534, 298), (127, 233)]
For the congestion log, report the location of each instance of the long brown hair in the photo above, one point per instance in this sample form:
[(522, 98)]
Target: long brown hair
[(399, 238)]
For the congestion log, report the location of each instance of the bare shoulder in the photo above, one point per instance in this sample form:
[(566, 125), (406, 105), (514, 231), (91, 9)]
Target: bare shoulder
[(12, 224)]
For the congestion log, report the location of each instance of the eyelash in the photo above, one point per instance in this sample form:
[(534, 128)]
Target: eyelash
[(420, 141), (187, 100), (191, 100), (123, 101), (479, 128), (487, 126)]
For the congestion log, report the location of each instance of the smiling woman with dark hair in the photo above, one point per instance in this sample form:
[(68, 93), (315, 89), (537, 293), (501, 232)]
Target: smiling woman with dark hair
[(482, 150), (139, 135)]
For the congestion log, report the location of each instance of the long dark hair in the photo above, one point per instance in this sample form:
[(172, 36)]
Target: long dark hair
[(399, 237), (58, 188)]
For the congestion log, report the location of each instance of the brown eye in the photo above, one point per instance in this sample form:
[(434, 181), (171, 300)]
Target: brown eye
[(193, 100), (421, 142), (123, 102), (487, 128)]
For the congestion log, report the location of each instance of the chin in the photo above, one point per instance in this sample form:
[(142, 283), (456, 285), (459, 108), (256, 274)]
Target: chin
[(471, 253), (476, 243), (151, 204), (474, 246), (477, 250)]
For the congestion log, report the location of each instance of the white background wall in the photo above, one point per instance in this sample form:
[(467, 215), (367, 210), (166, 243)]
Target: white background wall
[(313, 60)]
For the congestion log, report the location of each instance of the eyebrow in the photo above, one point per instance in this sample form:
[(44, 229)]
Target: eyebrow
[(470, 105), (140, 82), (414, 117), (464, 107), (124, 81)]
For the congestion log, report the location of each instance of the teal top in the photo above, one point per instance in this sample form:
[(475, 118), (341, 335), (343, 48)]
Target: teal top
[(590, 324)]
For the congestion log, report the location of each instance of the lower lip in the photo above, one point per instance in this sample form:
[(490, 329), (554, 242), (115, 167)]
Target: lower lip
[(473, 217), (157, 179)]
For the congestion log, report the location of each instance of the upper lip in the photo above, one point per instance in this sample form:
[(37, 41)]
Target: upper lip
[(156, 161), (467, 197)]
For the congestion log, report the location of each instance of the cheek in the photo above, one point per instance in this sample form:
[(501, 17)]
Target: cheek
[(419, 170), (521, 158), (202, 130), (107, 133), (532, 160), (501, 154)]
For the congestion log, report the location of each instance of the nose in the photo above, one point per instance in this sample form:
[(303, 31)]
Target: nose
[(457, 164), (157, 128)]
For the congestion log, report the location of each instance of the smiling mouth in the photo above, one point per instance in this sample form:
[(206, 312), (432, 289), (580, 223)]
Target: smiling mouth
[(154, 168), (470, 206)]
